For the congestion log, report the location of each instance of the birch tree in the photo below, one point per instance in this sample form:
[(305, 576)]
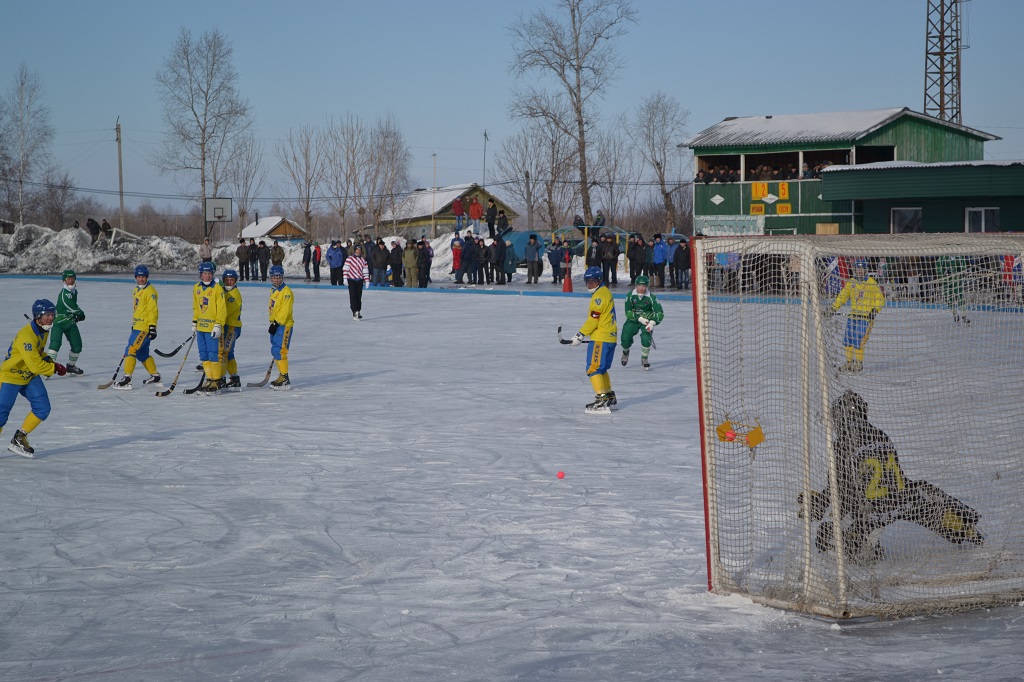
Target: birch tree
[(25, 136), (302, 159)]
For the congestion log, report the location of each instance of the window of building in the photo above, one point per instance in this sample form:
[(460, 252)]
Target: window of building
[(981, 220), (905, 220)]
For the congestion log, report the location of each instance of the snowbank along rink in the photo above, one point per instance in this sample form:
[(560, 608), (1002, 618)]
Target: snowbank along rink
[(397, 514)]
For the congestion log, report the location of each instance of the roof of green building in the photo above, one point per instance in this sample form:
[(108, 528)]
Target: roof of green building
[(839, 126)]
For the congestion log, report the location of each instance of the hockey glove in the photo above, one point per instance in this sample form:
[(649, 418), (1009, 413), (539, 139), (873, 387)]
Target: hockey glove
[(80, 316), (215, 334), (650, 326), (642, 320), (193, 326), (578, 339), (152, 332), (59, 369), (273, 328)]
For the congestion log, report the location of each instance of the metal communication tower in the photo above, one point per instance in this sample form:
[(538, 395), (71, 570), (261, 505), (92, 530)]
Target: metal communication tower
[(943, 46)]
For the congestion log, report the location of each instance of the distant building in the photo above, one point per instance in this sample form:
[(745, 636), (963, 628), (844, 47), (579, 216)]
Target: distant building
[(416, 212), (761, 194), (952, 196), (274, 227)]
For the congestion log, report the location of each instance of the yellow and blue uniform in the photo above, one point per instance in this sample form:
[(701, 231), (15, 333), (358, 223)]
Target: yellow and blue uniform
[(866, 299), (145, 314), (232, 329), (20, 374), (209, 310), (280, 313), (603, 330)]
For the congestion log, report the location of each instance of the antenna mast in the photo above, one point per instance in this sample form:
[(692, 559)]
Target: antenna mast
[(943, 47)]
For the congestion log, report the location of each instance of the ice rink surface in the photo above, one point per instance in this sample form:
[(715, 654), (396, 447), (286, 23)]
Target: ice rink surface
[(397, 515)]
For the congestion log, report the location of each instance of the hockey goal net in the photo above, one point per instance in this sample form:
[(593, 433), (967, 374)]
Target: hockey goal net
[(861, 407)]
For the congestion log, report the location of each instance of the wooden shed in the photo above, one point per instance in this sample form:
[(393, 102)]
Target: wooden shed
[(274, 227), (772, 165), (421, 209)]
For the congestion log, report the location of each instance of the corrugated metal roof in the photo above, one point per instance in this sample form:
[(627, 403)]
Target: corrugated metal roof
[(840, 126), (917, 164)]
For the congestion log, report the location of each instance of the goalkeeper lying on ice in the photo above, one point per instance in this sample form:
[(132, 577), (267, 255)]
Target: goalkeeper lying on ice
[(873, 491)]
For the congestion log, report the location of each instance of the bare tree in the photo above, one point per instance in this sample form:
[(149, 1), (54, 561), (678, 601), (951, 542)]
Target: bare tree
[(345, 147), (616, 173), (25, 135), (202, 109), (56, 198), (302, 159), (385, 161), (576, 48), (539, 166), (246, 174), (657, 128)]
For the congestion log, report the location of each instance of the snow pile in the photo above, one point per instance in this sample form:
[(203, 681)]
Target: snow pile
[(33, 249)]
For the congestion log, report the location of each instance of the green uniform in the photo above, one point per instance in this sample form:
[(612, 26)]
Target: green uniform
[(66, 324), (637, 306), (952, 275)]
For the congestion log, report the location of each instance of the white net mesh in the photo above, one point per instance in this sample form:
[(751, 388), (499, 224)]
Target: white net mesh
[(884, 374)]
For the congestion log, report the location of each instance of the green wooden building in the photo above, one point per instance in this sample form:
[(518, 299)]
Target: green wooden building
[(773, 166), (958, 196)]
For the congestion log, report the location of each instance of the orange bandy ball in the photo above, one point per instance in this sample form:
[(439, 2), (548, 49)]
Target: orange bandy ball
[(561, 474), (730, 436)]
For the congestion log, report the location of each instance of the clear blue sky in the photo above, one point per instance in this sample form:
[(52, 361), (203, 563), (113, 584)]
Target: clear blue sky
[(441, 67)]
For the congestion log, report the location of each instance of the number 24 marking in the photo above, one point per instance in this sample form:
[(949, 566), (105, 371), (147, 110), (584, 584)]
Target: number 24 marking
[(875, 489)]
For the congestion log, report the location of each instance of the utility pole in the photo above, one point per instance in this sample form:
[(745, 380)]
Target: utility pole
[(485, 157), (433, 202), (120, 172), (529, 202)]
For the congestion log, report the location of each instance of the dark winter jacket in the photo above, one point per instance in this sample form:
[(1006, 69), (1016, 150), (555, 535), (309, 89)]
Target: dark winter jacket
[(307, 253), (263, 253), (277, 255), (395, 258), (502, 223), (380, 258), (492, 214)]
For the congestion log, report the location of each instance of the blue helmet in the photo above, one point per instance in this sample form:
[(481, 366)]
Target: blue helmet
[(41, 307), (593, 272), (860, 263), (276, 271), (229, 273), (206, 266), (141, 271)]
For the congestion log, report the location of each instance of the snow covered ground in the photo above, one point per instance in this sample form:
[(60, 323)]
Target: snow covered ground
[(397, 515)]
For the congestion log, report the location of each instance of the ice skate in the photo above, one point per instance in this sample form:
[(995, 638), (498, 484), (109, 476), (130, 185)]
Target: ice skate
[(599, 406), (612, 400), (645, 363), (625, 356), (281, 383), (153, 379), (74, 370), (359, 315), (19, 445), (125, 384), (199, 368), (355, 316), (234, 383), (209, 388)]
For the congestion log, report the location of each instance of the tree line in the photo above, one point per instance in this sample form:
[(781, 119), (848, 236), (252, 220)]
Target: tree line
[(345, 173)]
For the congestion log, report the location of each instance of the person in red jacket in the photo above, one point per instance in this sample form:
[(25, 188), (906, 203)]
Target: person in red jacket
[(459, 212), (476, 212), (317, 258)]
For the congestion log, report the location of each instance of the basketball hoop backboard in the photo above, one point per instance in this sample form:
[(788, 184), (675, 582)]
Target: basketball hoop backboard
[(218, 210)]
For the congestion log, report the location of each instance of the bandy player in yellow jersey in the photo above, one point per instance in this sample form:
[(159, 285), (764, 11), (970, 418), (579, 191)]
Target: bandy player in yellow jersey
[(145, 314), (603, 331), (281, 323), (232, 328)]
